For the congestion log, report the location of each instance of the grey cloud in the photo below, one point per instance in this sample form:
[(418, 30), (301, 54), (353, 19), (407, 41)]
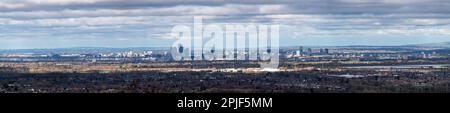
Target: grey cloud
[(132, 19)]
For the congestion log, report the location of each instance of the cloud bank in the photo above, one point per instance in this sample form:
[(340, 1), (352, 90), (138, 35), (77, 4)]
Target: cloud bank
[(135, 23)]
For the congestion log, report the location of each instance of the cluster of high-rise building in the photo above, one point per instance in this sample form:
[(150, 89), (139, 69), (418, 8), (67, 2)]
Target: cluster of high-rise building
[(310, 51), (366, 54), (296, 54)]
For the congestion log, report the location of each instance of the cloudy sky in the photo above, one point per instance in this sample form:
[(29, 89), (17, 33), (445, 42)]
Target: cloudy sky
[(146, 23)]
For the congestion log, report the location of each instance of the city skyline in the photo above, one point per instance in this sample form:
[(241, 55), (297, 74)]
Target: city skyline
[(29, 24)]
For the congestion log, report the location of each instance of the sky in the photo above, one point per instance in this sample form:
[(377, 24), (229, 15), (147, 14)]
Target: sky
[(27, 24)]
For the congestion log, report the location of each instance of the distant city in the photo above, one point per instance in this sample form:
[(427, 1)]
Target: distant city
[(303, 69), (292, 53)]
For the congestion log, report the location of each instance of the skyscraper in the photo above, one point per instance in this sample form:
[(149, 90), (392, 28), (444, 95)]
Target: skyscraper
[(300, 49), (326, 51)]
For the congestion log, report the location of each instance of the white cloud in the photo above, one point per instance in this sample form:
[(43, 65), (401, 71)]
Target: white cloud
[(177, 10), (144, 18), (11, 5), (64, 2)]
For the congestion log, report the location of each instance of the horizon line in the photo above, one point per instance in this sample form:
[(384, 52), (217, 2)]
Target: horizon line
[(105, 47)]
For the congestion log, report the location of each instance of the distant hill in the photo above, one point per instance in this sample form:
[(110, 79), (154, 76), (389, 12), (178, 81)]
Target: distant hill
[(438, 45), (83, 50), (433, 45)]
